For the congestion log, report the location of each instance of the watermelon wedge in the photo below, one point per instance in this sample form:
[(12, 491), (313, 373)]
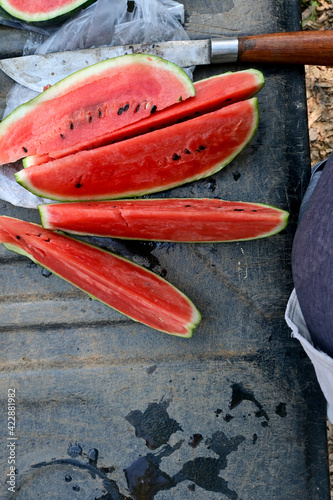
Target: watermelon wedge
[(178, 220), (83, 105), (35, 11), (115, 281), (149, 163), (210, 94)]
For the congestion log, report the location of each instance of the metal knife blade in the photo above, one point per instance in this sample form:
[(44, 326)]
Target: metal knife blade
[(299, 47), (38, 71)]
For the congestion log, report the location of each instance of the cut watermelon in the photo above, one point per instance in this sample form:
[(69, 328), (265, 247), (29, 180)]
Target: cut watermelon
[(210, 94), (85, 104), (40, 10), (180, 220), (115, 281), (149, 163)]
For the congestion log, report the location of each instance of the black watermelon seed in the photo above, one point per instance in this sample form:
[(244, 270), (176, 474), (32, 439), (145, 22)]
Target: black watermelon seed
[(18, 237), (62, 136), (176, 157), (153, 109), (238, 209), (120, 110), (126, 108), (78, 185), (137, 108), (25, 149), (254, 210), (90, 118), (187, 206), (100, 113), (228, 99), (71, 126), (202, 148), (187, 152), (180, 99)]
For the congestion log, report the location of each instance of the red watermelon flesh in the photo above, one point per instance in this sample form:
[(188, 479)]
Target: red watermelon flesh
[(115, 281), (179, 220), (149, 163), (82, 106), (210, 94), (41, 10)]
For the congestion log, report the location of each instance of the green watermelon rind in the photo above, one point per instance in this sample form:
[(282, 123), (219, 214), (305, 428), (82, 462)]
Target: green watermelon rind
[(29, 161), (21, 176), (42, 18), (60, 88), (43, 212), (196, 315)]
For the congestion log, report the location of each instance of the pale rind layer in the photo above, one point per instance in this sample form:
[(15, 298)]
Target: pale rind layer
[(183, 220), (85, 104), (117, 282), (34, 11), (154, 162), (211, 94)]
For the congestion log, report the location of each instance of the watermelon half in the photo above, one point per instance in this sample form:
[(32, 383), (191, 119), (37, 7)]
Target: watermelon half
[(179, 220), (149, 163), (34, 11), (210, 94), (83, 105), (117, 282)]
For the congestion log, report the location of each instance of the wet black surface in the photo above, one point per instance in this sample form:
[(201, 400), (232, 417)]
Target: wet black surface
[(109, 409)]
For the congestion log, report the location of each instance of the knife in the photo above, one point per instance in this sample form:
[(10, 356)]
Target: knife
[(308, 47)]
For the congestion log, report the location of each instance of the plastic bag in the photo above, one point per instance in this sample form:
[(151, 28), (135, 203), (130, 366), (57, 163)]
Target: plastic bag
[(106, 22)]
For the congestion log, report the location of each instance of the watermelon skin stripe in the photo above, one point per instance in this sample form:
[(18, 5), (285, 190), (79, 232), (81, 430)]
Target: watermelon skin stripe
[(117, 282), (210, 94), (175, 220), (83, 105), (153, 162)]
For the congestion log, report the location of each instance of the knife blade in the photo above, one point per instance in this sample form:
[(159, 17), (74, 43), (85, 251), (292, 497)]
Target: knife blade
[(308, 47)]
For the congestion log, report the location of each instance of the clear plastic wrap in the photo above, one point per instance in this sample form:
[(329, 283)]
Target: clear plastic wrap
[(105, 22)]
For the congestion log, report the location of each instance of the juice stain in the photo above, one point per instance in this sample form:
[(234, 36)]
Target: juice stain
[(144, 249), (154, 424), (87, 462), (195, 439), (145, 478), (239, 394), (281, 410)]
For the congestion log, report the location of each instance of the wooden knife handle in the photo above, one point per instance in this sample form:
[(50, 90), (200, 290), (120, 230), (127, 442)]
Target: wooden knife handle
[(300, 47)]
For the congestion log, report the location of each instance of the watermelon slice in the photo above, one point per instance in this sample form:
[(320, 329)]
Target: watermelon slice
[(210, 94), (85, 104), (119, 283), (41, 10), (179, 220), (149, 163)]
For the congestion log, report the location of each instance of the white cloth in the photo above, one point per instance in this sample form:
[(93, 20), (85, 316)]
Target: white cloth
[(322, 363)]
